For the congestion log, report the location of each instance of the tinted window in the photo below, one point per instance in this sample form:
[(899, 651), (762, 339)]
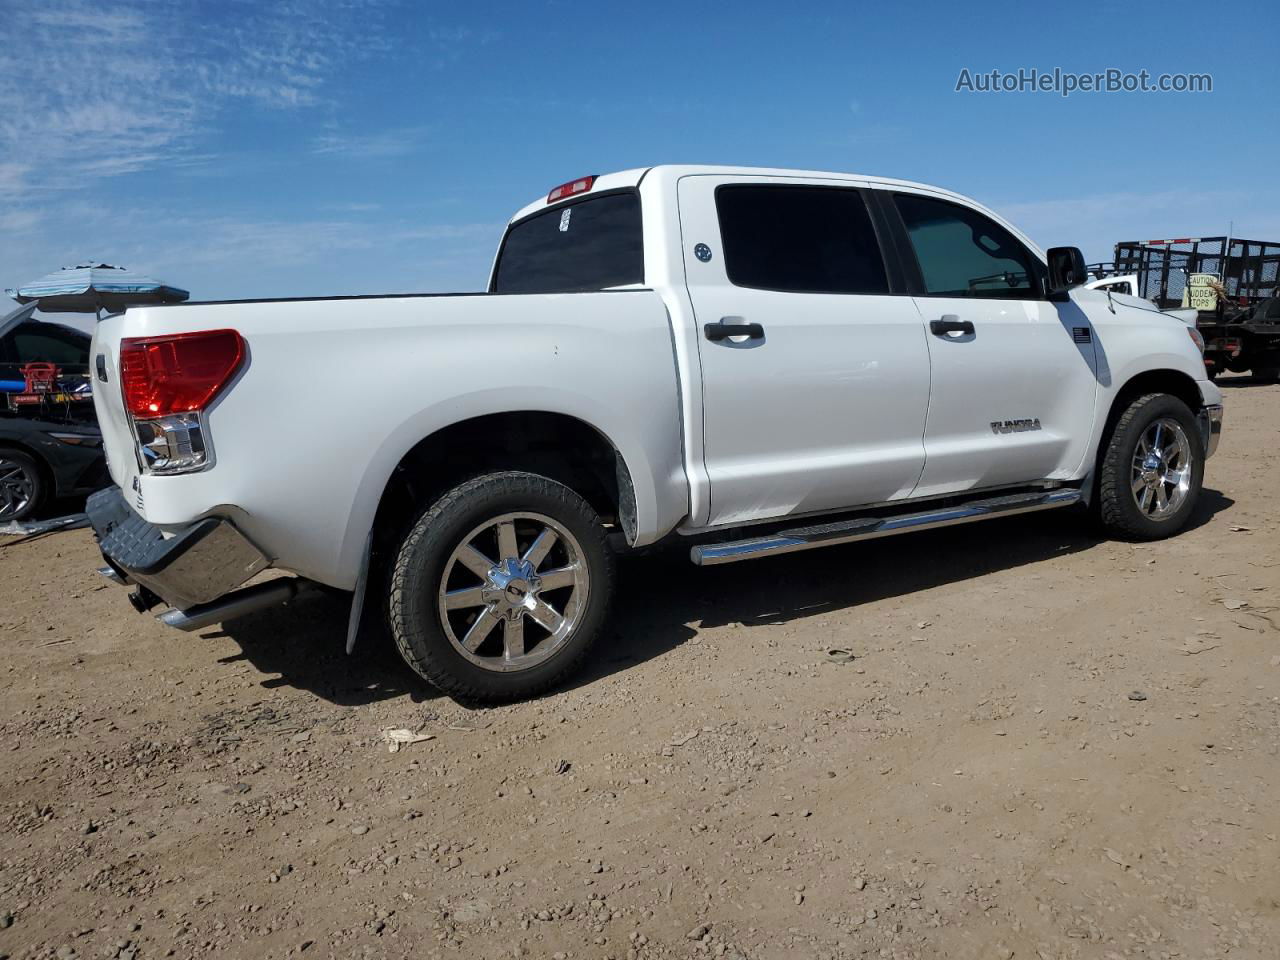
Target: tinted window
[(799, 239), (64, 348), (576, 247), (964, 254)]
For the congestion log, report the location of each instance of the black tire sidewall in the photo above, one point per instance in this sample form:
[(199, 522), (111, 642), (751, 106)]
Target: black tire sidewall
[(415, 580), (1119, 509), (32, 469)]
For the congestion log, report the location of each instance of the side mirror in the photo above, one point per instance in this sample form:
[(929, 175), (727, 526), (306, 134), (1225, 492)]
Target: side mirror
[(1066, 270)]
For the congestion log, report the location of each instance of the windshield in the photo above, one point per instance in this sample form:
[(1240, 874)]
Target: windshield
[(573, 248)]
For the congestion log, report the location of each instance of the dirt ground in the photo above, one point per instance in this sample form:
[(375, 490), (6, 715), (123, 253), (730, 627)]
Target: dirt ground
[(1048, 746)]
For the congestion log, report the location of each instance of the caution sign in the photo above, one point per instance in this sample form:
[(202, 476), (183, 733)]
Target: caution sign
[(1199, 294)]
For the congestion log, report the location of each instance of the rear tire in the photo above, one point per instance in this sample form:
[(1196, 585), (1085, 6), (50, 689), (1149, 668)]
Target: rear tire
[(501, 587), (22, 486), (1152, 469)]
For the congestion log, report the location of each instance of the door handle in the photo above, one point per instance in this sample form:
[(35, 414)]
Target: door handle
[(950, 324), (716, 332)]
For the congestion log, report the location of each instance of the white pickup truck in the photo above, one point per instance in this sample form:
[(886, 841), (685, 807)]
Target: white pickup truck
[(753, 361)]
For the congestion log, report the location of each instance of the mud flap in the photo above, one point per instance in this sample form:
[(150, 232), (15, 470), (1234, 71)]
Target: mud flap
[(357, 595), (1086, 490)]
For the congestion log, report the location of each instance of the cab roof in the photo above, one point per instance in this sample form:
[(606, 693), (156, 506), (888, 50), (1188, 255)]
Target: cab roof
[(623, 179), (673, 172)]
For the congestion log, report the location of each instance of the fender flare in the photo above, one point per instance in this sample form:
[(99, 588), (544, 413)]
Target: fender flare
[(424, 424)]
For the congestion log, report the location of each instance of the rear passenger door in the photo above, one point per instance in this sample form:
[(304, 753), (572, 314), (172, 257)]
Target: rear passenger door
[(1013, 375), (820, 402)]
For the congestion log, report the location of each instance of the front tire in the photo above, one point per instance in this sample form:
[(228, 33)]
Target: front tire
[(22, 488), (501, 587), (1152, 469)]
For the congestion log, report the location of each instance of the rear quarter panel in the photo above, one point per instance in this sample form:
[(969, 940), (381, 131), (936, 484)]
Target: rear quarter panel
[(335, 392)]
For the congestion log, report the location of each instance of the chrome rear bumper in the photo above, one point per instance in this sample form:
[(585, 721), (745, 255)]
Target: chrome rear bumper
[(196, 565)]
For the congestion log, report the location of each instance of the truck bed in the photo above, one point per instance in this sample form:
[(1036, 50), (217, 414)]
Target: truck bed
[(335, 391)]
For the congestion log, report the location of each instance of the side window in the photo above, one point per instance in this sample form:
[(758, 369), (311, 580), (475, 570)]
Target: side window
[(799, 239), (50, 347), (964, 254)]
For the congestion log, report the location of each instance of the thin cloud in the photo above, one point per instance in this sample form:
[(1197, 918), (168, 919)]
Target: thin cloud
[(354, 207), (452, 43), (371, 146), (230, 256), (1096, 222), (103, 92), (12, 220), (266, 242), (342, 250)]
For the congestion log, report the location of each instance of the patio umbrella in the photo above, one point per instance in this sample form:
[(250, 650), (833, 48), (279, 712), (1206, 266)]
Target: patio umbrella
[(92, 287)]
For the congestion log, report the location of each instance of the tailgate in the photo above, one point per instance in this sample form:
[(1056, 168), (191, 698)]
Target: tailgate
[(117, 430)]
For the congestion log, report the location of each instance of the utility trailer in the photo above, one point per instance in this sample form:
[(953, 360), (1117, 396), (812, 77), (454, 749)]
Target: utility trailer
[(1240, 322)]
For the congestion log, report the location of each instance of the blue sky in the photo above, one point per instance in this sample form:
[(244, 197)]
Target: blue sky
[(311, 147)]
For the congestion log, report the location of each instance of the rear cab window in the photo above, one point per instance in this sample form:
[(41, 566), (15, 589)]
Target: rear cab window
[(799, 239), (591, 244)]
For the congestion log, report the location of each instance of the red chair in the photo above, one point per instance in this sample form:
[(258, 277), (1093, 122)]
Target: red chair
[(40, 377)]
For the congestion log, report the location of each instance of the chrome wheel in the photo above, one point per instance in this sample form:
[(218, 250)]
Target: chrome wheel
[(17, 488), (513, 591), (1162, 469)]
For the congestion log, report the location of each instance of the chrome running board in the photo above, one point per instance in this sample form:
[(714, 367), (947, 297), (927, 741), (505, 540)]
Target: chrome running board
[(868, 528)]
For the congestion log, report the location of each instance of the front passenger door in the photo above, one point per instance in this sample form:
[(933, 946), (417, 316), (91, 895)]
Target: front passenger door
[(1012, 375)]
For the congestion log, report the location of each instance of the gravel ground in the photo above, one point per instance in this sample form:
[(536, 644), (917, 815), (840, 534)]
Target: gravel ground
[(1046, 746)]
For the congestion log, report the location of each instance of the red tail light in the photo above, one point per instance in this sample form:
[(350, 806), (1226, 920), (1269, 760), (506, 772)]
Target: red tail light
[(178, 373), (581, 185)]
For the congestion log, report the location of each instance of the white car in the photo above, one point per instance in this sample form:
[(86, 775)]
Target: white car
[(1127, 284), (753, 361)]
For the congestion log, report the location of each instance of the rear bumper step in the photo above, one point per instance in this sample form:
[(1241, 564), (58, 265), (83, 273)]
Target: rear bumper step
[(868, 528), (195, 565)]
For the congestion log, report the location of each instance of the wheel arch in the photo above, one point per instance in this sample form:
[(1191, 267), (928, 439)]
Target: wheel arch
[(573, 451), (1173, 382), (567, 447)]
